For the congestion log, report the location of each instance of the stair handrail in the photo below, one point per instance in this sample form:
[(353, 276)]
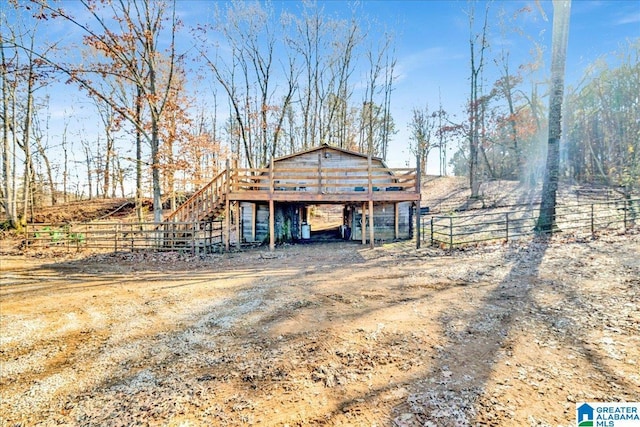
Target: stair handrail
[(197, 199)]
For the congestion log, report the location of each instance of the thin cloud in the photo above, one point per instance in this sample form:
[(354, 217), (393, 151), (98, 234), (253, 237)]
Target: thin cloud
[(424, 58), (632, 18)]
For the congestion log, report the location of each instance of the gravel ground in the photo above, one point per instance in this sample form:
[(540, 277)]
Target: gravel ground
[(326, 334)]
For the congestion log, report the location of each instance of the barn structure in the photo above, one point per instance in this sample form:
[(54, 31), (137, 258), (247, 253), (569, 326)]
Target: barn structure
[(272, 204)]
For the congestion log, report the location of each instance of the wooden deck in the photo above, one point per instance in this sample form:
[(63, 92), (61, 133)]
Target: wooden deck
[(326, 185), (316, 184)]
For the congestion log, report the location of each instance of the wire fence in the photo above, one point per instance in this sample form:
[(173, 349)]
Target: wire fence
[(193, 237), (446, 231), (456, 230)]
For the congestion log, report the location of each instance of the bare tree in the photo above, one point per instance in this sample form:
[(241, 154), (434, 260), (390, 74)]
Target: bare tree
[(9, 198), (22, 76), (423, 128), (378, 67), (108, 118), (477, 46), (40, 137), (310, 41), (130, 48), (247, 72), (334, 100), (387, 127)]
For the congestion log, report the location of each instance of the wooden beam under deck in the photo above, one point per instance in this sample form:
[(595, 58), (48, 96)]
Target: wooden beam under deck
[(272, 228), (308, 197)]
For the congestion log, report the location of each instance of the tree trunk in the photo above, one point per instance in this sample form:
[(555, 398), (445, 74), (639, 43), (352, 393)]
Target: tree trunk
[(47, 165), (87, 155), (65, 171), (26, 148), (106, 177), (8, 173), (546, 220), (138, 118), (474, 102), (155, 170)]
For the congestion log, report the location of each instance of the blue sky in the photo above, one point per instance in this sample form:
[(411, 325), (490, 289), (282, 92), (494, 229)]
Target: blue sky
[(432, 45), (432, 50)]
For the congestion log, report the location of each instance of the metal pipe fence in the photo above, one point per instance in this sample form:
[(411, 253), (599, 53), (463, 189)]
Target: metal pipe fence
[(581, 219), (193, 237)]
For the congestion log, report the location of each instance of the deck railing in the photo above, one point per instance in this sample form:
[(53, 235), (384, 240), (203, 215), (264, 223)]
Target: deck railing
[(323, 180), (209, 201)]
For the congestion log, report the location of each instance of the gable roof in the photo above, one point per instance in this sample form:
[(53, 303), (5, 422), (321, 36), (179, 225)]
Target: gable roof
[(325, 145)]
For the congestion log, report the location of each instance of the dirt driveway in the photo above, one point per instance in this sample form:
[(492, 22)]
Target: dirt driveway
[(327, 334)]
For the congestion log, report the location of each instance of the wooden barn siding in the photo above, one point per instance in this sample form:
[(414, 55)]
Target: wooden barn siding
[(287, 222), (262, 222), (384, 222), (336, 159)]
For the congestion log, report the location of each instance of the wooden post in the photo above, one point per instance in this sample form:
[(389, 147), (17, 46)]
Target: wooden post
[(506, 218), (431, 231), (370, 194), (371, 224), (194, 226), (254, 217), (418, 189), (271, 179), (272, 219), (396, 220), (364, 223), (319, 173), (227, 220), (227, 205), (227, 174), (238, 236), (272, 227), (369, 175), (115, 249)]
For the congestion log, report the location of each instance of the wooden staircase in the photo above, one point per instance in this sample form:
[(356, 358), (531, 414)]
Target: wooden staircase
[(206, 204)]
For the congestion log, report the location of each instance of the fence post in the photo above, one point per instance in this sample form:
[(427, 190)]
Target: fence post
[(450, 233), (506, 215), (624, 209), (195, 226), (115, 238), (592, 225), (431, 231)]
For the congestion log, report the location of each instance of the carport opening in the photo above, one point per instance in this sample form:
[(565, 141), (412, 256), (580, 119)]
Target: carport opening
[(326, 222)]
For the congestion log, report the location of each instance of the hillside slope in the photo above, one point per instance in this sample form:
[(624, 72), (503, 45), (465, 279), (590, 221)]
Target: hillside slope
[(451, 193)]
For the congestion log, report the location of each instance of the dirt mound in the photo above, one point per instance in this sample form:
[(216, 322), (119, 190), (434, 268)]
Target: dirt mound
[(444, 194), (88, 210)]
